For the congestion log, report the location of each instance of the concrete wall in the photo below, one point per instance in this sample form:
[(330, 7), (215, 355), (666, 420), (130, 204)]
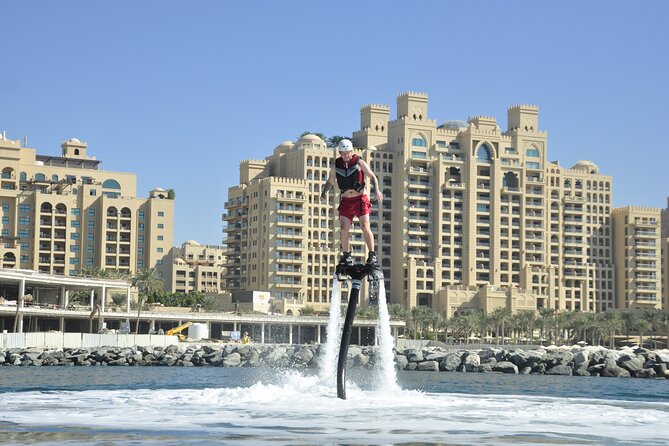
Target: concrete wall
[(78, 340)]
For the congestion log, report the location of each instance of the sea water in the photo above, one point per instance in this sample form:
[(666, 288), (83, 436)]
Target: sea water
[(242, 406)]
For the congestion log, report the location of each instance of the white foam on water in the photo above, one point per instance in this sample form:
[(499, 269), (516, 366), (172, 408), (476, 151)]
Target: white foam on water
[(386, 343), (298, 409), (328, 364)]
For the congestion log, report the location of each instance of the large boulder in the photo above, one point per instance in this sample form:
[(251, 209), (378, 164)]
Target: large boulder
[(611, 369), (472, 362), (505, 367), (414, 355), (631, 363), (431, 366), (561, 369), (451, 362)]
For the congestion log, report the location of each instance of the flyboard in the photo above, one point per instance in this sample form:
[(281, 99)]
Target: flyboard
[(356, 273)]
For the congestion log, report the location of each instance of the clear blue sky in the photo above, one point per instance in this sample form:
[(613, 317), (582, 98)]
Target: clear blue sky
[(165, 89)]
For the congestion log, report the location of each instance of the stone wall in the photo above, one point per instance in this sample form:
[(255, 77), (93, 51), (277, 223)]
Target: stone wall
[(578, 361)]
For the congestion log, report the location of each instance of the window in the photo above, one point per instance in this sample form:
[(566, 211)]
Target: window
[(24, 233), (5, 232), (76, 211), (441, 143), (91, 212), (24, 220), (161, 214), (140, 238), (161, 226), (141, 227), (5, 207), (91, 236), (159, 250), (5, 220), (93, 192), (532, 152), (22, 207), (111, 184), (418, 155), (140, 251), (140, 263), (418, 142), (75, 223), (74, 261), (160, 237), (74, 236), (91, 223), (484, 154), (533, 165), (140, 214), (25, 245), (89, 262), (74, 248), (90, 249)]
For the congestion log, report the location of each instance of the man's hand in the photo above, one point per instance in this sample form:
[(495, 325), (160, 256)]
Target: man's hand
[(379, 196), (323, 198)]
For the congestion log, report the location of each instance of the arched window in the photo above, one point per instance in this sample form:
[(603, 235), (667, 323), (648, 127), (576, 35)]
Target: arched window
[(484, 154), (126, 213), (510, 180), (532, 152), (23, 176), (7, 173), (111, 184), (54, 178), (418, 141), (39, 177), (112, 211)]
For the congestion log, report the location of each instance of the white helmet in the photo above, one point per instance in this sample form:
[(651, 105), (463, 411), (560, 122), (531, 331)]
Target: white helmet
[(345, 145)]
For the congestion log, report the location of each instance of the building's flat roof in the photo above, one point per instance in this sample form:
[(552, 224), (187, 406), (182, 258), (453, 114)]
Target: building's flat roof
[(37, 278), (59, 161)]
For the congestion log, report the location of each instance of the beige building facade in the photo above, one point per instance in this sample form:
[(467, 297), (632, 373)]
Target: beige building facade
[(473, 217), (638, 257), (61, 214), (194, 267)]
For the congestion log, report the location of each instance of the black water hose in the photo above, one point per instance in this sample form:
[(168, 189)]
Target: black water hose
[(346, 338)]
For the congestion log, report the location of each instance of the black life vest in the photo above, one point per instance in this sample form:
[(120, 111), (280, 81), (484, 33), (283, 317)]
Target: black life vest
[(349, 175)]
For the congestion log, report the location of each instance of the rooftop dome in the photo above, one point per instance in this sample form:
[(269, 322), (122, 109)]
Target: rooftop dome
[(311, 137), (74, 140), (191, 242), (587, 166), (454, 124)]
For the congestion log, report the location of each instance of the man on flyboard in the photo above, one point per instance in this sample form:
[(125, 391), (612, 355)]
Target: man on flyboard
[(349, 172)]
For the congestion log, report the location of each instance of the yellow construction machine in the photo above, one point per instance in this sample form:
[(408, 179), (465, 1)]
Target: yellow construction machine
[(177, 331)]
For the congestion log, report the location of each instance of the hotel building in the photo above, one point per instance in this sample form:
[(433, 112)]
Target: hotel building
[(638, 257), (194, 267), (63, 213), (473, 217)]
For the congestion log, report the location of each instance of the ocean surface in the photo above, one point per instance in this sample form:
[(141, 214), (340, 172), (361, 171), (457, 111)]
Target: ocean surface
[(243, 406)]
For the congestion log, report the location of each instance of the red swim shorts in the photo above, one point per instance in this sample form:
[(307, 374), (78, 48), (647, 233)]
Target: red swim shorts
[(351, 207)]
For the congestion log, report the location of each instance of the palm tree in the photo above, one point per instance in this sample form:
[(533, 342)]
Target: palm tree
[(643, 327), (561, 320), (333, 141), (612, 324), (501, 317), (654, 318), (146, 281), (629, 319), (307, 311), (545, 319)]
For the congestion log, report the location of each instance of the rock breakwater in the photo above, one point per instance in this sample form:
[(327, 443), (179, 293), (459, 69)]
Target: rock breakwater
[(579, 361)]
